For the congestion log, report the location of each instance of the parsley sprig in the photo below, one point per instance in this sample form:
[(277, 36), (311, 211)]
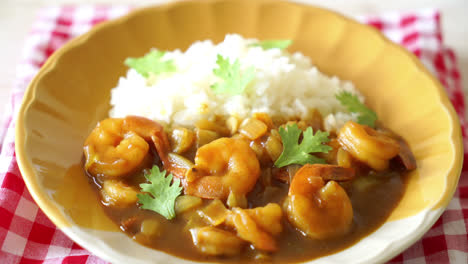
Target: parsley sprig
[(299, 153), (233, 81), (159, 194), (273, 44), (365, 115), (151, 64)]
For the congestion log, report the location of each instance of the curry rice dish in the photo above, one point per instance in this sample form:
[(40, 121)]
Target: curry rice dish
[(272, 180)]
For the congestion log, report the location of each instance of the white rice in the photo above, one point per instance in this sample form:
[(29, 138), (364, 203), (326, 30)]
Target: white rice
[(284, 85)]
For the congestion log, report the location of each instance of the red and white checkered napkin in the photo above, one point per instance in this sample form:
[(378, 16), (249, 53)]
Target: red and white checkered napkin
[(28, 236)]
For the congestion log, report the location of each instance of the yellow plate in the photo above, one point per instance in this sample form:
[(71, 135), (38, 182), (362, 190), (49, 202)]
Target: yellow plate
[(71, 93)]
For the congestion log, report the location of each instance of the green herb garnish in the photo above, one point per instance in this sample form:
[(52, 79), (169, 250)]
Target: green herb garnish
[(151, 64), (232, 80), (159, 194), (273, 44), (365, 115), (299, 153)]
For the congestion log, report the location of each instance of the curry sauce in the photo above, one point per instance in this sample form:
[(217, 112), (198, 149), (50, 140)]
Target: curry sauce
[(371, 209), (238, 204)]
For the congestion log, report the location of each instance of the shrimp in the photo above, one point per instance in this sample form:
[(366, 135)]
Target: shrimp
[(317, 209), (118, 194), (118, 146), (372, 147), (222, 166), (258, 225), (214, 241)]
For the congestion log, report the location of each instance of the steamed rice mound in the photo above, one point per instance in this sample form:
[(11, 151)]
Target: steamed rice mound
[(285, 84)]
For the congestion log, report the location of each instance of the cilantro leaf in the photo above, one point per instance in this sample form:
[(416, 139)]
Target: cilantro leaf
[(273, 44), (151, 64), (159, 194), (295, 153), (351, 102), (233, 82)]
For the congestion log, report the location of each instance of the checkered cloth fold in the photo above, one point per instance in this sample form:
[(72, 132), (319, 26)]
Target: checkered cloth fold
[(28, 236)]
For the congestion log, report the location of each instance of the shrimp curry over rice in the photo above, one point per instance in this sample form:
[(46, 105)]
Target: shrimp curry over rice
[(261, 185)]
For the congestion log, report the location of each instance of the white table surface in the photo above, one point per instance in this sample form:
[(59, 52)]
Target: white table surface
[(17, 16)]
